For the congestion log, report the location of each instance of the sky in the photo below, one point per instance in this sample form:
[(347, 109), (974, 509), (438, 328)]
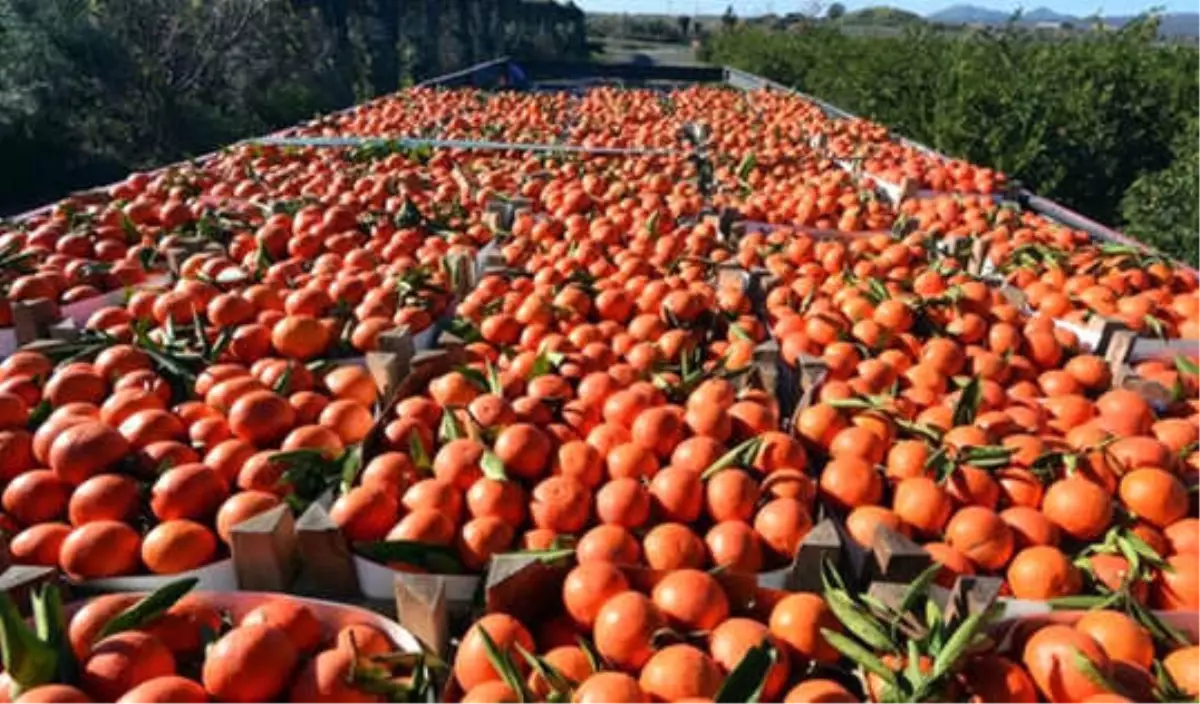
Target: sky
[(758, 7)]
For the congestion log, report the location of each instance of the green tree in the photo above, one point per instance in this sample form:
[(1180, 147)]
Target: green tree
[(836, 11), (1160, 208)]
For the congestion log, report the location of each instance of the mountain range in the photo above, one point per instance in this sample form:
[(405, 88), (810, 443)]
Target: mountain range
[(1173, 24)]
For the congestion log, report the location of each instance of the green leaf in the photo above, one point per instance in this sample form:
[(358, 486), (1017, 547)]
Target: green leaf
[(148, 607), (858, 622), (557, 681), (1085, 665), (28, 660), (449, 430), (51, 624), (503, 664), (743, 455), (968, 403), (746, 166), (919, 588), (493, 466), (351, 462), (589, 651), (494, 384), (284, 384), (438, 559), (1187, 366), (740, 333), (860, 655), (548, 555), (418, 454), (39, 414), (950, 655), (745, 682), (476, 377), (1083, 601), (545, 363)]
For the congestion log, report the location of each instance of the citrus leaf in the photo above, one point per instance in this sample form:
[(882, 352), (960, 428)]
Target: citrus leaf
[(449, 430), (967, 406), (1083, 601), (858, 622), (949, 656), (745, 682), (919, 588), (745, 167), (557, 681), (51, 624), (1187, 366), (743, 455), (493, 466), (548, 555), (438, 559), (351, 462), (495, 385), (504, 666), (860, 655), (589, 651), (416, 450), (284, 384), (148, 608), (1084, 664)]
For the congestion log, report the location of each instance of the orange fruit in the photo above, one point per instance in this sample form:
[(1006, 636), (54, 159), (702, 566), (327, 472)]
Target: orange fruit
[(249, 663), (85, 449), (1120, 637), (819, 691), (1043, 572), (1050, 657), (1080, 508), (980, 535), (176, 546), (680, 673), (240, 508), (586, 589), (365, 513), (122, 661), (191, 491), (606, 686), (797, 620), (1154, 495), (608, 542), (994, 678), (1183, 665), (100, 549), (471, 664), (1179, 587), (691, 600), (624, 629), (729, 642), (261, 418), (673, 546), (297, 621)]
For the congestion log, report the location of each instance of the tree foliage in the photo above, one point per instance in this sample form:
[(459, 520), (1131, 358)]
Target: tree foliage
[(1162, 208), (93, 89), (1078, 120)]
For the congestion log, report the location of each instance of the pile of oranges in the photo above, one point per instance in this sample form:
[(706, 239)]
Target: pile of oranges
[(623, 393), (172, 646)]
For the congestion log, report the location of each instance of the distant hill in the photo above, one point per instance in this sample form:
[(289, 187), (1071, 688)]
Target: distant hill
[(1177, 24), (886, 16), (968, 14), (1045, 14)]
